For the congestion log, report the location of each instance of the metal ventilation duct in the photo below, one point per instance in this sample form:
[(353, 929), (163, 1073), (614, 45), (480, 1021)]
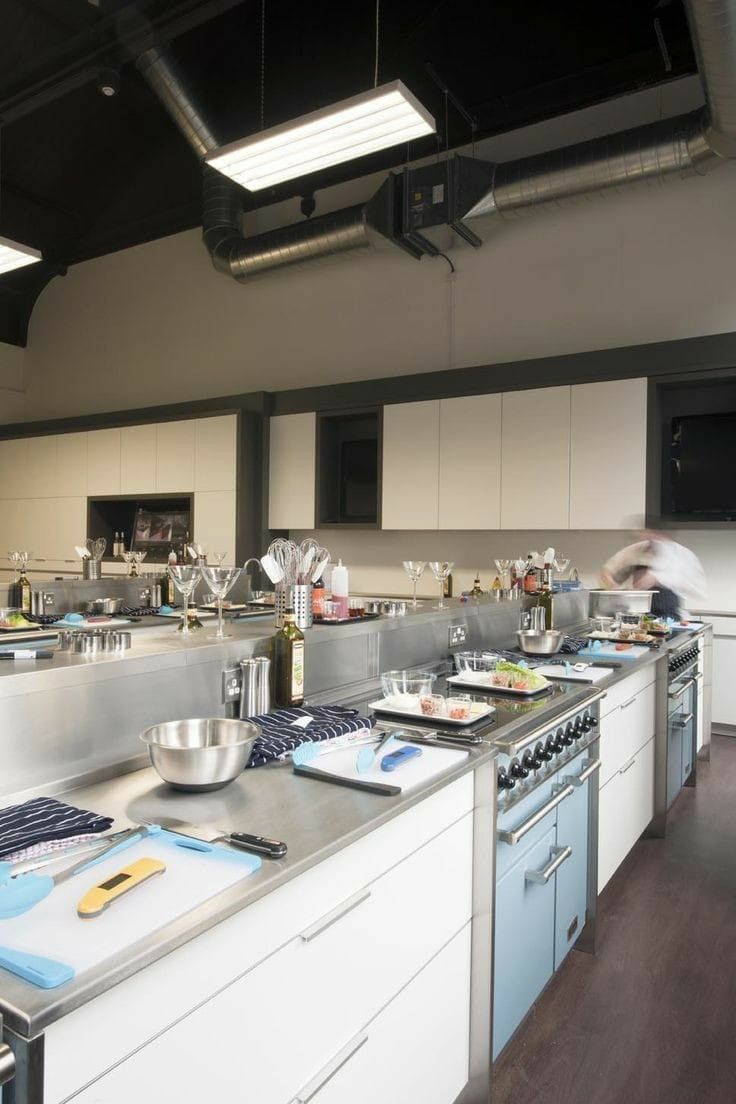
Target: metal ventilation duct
[(688, 145)]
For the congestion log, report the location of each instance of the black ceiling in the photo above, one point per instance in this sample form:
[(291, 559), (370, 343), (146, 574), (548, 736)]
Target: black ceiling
[(83, 174)]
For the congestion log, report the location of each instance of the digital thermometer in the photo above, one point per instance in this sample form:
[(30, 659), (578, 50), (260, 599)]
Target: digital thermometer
[(96, 900)]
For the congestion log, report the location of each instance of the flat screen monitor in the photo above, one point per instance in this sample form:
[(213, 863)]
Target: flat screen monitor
[(702, 465)]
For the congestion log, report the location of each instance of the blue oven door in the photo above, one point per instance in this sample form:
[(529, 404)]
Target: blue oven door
[(572, 874)]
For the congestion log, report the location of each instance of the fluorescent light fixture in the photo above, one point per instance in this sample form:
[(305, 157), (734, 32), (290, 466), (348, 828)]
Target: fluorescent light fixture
[(373, 120), (14, 255)]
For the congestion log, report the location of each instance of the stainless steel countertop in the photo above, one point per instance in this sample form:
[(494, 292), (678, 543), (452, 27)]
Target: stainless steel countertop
[(314, 818)]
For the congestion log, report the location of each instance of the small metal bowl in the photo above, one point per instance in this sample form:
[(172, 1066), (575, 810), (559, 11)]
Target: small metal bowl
[(540, 642), (200, 754)]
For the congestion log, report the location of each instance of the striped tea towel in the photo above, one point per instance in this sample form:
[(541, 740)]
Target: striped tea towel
[(573, 644), (42, 819), (280, 734)]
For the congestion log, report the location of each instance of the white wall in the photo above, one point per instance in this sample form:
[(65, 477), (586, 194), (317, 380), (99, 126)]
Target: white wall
[(156, 323), (374, 558)]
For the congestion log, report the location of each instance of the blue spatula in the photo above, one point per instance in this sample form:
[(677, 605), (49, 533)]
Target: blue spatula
[(47, 973)]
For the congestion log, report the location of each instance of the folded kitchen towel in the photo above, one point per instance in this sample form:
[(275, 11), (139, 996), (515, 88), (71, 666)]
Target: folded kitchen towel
[(42, 819), (282, 730)]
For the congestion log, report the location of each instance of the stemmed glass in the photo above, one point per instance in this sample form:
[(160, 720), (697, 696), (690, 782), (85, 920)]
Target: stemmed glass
[(138, 558), (185, 579), (218, 557), (561, 564), (127, 558), (14, 559), (220, 580), (441, 569), (503, 567), (414, 569)]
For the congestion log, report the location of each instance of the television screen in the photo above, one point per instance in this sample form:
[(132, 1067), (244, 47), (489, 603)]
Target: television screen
[(159, 529), (702, 465)]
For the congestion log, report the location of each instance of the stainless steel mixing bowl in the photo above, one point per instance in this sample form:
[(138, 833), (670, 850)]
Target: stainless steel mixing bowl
[(202, 753), (540, 642)]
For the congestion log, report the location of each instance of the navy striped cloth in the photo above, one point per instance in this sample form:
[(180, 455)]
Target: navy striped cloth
[(279, 735), (43, 819)]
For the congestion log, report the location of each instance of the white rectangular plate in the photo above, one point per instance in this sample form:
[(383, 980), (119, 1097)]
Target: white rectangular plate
[(486, 688), (478, 711)]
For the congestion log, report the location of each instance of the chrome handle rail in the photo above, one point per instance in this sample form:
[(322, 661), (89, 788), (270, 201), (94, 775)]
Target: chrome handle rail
[(327, 1072), (628, 766), (7, 1064), (336, 914), (683, 722), (678, 693), (513, 835), (590, 766), (631, 701), (541, 877)]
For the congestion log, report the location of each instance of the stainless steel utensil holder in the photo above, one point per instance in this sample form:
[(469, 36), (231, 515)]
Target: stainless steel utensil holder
[(298, 598), (91, 569)]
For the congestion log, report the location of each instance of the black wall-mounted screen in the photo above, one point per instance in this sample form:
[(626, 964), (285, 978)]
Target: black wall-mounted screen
[(702, 465)]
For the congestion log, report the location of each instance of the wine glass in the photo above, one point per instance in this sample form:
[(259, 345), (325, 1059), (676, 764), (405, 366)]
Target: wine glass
[(561, 564), (503, 567), (441, 569), (218, 557), (14, 559), (414, 569), (220, 580), (127, 558), (138, 558), (185, 579)]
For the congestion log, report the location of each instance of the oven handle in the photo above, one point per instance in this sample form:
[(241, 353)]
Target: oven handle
[(590, 766), (681, 691), (513, 835), (558, 855), (683, 722)]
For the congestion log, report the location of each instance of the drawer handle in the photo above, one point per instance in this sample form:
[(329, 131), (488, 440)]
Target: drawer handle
[(682, 689), (629, 702), (559, 855), (628, 766), (513, 836), (328, 1072), (337, 913), (590, 766), (7, 1064), (683, 722)]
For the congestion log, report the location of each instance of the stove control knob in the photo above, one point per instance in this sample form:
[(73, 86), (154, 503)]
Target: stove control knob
[(579, 729), (568, 736), (592, 722), (529, 762), (558, 741), (538, 756), (518, 770), (548, 750), (504, 782), (588, 723)]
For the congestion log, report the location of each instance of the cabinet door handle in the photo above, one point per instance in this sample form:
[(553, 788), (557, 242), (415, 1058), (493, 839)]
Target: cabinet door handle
[(590, 766), (683, 722), (682, 689), (631, 701), (628, 766), (328, 1072), (512, 836), (559, 855), (336, 914), (7, 1064)]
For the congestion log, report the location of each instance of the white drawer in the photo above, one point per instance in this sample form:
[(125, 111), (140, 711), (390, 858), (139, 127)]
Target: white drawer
[(416, 1050), (626, 806), (626, 729), (330, 979), (627, 688)]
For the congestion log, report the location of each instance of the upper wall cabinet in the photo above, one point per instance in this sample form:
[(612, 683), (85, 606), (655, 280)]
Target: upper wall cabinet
[(608, 420), (470, 463), (411, 451), (103, 462), (215, 453), (175, 456), (292, 471), (535, 459), (138, 459)]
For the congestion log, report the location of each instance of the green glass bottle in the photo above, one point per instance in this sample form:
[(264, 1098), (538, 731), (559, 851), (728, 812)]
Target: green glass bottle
[(288, 687)]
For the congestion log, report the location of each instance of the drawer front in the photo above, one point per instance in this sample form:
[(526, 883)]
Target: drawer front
[(272, 1029), (625, 808), (417, 1049), (627, 688), (626, 730), (572, 876), (524, 940), (507, 854), (190, 975)]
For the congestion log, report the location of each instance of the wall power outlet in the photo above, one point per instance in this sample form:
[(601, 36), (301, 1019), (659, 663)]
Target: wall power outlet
[(458, 635)]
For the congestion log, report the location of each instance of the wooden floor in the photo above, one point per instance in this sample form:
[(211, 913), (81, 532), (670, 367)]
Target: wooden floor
[(651, 1018)]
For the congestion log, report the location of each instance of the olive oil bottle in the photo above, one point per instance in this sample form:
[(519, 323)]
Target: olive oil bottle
[(288, 687), (23, 592)]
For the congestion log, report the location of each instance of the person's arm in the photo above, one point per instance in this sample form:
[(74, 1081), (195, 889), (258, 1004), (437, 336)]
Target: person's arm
[(620, 566)]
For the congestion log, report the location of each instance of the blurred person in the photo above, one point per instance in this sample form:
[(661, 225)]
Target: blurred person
[(657, 562)]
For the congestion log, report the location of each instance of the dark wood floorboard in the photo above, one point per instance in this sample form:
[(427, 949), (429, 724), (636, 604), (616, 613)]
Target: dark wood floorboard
[(651, 1018)]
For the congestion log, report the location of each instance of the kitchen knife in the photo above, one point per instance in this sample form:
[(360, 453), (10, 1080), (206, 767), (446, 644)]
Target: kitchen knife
[(193, 835)]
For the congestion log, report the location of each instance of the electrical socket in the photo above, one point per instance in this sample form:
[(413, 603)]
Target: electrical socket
[(458, 635), (231, 685)]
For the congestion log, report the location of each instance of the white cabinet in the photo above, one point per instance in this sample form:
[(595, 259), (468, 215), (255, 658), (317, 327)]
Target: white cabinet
[(411, 452), (215, 445), (13, 457), (138, 459), (724, 666), (103, 462), (470, 462), (608, 455), (40, 466), (175, 456), (292, 471), (70, 477), (214, 522), (535, 459), (625, 808), (626, 729)]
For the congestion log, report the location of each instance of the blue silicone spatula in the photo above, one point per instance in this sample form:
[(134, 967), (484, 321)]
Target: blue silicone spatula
[(47, 973)]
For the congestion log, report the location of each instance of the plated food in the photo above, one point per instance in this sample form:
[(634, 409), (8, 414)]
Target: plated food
[(505, 676), (14, 619)]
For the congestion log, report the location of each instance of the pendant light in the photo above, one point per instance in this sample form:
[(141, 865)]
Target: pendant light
[(383, 116), (14, 255)]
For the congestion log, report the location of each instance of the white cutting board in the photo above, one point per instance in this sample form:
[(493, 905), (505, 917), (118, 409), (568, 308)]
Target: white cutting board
[(52, 927), (590, 674), (415, 772)]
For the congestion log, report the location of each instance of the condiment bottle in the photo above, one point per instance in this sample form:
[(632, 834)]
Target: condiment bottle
[(318, 598), (340, 591), (289, 663)]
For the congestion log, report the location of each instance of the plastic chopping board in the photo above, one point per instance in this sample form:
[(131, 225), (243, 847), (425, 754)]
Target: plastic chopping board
[(52, 927), (557, 671), (415, 772), (608, 651)]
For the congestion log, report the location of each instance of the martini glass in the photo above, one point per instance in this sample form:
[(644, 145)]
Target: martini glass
[(185, 579), (127, 558), (414, 569), (14, 558), (504, 569), (220, 580), (441, 569)]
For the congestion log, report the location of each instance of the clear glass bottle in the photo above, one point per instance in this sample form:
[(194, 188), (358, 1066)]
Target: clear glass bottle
[(477, 591), (23, 592), (289, 663)]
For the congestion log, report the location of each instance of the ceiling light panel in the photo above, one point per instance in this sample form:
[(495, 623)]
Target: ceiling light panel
[(14, 255), (374, 120)]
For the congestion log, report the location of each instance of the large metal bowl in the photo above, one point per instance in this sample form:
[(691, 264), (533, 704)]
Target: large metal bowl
[(540, 642), (610, 602), (200, 754)]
